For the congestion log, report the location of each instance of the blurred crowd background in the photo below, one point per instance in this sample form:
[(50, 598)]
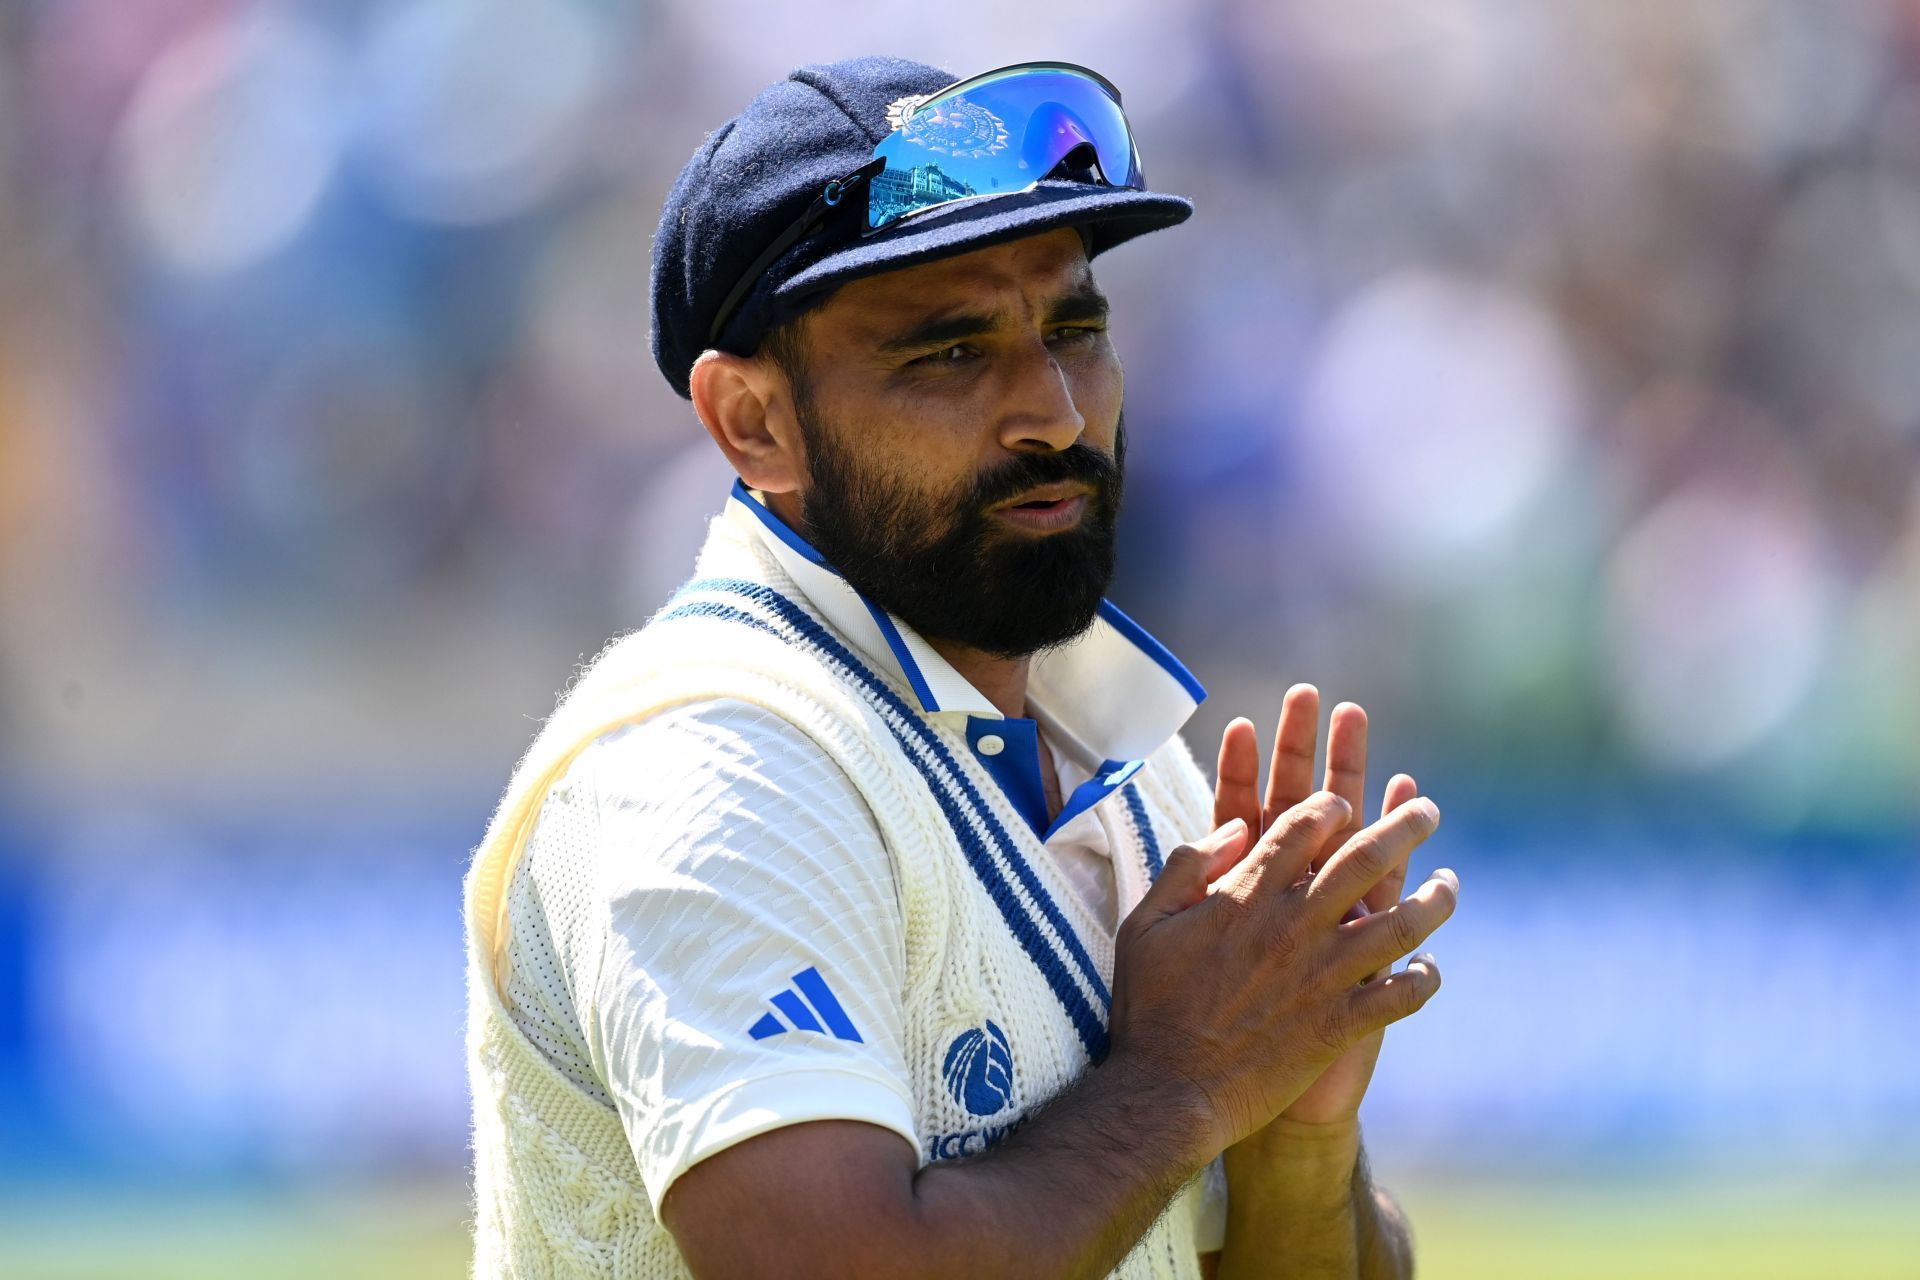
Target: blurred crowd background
[(1545, 377)]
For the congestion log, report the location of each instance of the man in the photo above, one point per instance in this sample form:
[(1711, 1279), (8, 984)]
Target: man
[(864, 913)]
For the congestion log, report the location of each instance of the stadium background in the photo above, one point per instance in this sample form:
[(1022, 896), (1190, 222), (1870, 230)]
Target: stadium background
[(1545, 377)]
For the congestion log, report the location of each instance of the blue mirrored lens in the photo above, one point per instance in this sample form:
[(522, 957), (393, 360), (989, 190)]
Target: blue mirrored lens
[(998, 135)]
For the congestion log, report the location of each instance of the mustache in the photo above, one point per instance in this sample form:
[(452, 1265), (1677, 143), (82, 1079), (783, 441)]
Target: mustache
[(1078, 461)]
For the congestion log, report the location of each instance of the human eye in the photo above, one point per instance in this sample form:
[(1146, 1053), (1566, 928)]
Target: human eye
[(957, 354)]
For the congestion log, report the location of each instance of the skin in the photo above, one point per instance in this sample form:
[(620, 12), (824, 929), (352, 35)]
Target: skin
[(1314, 1135), (941, 370), (939, 409)]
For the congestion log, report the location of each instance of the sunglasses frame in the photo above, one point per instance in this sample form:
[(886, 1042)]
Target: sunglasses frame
[(835, 193)]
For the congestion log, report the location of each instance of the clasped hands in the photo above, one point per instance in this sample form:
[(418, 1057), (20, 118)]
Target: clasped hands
[(1258, 969)]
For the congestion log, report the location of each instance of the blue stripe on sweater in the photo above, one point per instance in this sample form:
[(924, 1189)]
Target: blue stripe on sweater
[(821, 638), (1089, 1024), (1143, 822)]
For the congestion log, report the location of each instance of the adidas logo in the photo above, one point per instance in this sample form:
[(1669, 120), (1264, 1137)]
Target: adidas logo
[(809, 1005)]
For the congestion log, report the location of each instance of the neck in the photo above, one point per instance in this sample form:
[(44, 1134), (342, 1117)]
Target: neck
[(1003, 681)]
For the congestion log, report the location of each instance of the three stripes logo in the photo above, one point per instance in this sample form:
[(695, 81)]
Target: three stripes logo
[(808, 1005)]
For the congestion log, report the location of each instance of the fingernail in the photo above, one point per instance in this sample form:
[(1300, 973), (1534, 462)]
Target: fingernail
[(1233, 828), (1340, 805), (1447, 874), (1431, 809)]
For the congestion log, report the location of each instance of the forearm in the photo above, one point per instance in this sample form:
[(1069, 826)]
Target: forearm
[(1300, 1202), (1385, 1236), (1071, 1191)]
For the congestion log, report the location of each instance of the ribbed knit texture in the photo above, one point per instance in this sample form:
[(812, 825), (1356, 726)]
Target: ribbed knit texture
[(993, 932)]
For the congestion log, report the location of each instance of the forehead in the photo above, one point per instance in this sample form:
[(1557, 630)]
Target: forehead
[(1021, 274)]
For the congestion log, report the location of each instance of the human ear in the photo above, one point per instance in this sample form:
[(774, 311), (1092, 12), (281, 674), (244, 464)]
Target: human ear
[(747, 414)]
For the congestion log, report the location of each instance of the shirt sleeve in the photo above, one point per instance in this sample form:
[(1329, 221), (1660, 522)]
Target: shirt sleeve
[(754, 955), (1210, 1208)]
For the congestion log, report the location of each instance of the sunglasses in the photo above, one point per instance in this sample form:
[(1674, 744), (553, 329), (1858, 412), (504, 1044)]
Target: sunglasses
[(994, 134)]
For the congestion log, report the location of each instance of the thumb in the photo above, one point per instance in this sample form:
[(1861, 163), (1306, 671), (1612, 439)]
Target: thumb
[(1190, 868)]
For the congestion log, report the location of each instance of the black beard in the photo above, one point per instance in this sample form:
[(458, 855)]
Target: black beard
[(948, 569)]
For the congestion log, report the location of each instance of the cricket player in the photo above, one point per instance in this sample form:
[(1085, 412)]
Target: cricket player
[(864, 913)]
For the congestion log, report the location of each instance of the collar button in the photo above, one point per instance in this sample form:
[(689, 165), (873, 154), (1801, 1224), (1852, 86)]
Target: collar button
[(990, 744)]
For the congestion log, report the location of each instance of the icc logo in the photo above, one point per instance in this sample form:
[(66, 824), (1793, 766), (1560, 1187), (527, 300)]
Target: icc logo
[(979, 1070)]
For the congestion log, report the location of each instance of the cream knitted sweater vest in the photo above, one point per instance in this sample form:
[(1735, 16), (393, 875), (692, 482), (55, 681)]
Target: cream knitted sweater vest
[(1007, 976)]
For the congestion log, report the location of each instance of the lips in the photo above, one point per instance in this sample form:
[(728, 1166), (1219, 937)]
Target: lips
[(1045, 515), (1046, 497)]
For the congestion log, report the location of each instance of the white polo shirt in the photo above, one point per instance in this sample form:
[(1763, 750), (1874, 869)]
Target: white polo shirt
[(720, 821)]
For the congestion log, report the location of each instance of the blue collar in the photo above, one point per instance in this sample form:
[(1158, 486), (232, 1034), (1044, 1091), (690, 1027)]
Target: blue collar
[(1109, 698)]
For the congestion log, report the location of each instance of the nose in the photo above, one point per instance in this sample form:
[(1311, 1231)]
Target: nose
[(1039, 412)]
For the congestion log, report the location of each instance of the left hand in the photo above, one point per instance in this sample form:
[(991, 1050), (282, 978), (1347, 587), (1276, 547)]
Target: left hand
[(1335, 1097)]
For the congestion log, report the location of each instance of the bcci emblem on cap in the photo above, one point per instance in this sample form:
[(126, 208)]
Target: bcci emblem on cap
[(950, 127), (979, 1070)]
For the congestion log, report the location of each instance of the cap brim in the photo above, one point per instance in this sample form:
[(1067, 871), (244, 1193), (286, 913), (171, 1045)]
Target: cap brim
[(1111, 215)]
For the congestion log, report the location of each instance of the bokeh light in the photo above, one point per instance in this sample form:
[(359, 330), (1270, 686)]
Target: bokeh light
[(1719, 607), (473, 109), (231, 141), (1439, 409)]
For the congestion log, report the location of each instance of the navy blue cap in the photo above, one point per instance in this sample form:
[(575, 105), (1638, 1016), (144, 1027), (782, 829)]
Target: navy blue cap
[(759, 172)]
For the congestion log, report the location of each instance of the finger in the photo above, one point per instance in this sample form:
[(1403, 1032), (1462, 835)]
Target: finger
[(1280, 856), (1236, 794), (1189, 869), (1290, 776), (1364, 860), (1398, 995), (1400, 789), (1347, 761), (1370, 945)]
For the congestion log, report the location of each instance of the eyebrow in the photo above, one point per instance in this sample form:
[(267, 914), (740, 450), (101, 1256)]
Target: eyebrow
[(1082, 303)]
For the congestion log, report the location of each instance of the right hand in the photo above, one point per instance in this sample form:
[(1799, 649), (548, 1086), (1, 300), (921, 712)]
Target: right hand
[(1235, 975)]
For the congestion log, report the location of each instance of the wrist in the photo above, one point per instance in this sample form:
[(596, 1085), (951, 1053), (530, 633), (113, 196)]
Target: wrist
[(1316, 1160), (1179, 1111), (1309, 1135)]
